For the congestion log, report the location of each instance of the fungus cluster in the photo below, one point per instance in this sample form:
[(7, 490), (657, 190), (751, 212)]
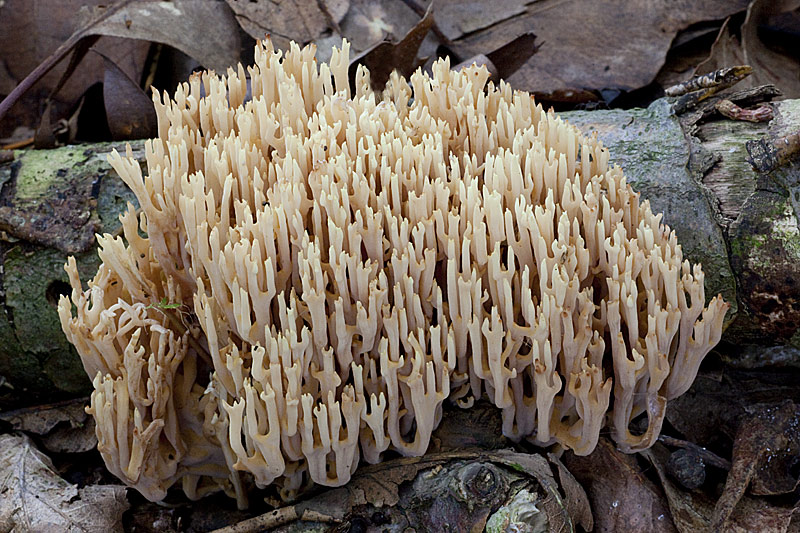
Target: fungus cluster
[(314, 272)]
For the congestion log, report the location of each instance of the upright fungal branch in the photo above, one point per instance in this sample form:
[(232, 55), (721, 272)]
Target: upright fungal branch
[(341, 264)]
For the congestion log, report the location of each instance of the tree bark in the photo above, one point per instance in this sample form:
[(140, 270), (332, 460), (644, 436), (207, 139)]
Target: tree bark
[(741, 225)]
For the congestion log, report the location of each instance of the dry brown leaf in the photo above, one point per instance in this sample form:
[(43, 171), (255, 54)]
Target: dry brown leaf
[(42, 419), (30, 31), (511, 56), (575, 498), (370, 21), (591, 45), (692, 510), (35, 498), (65, 427), (622, 497), (689, 48), (205, 31), (456, 18), (765, 450), (299, 20), (769, 66), (387, 56), (129, 111)]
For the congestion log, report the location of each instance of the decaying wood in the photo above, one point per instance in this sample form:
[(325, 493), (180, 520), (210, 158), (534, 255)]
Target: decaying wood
[(741, 225)]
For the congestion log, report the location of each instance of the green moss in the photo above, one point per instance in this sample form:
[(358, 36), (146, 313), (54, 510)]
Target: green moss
[(112, 200), (35, 357), (34, 279), (785, 230), (650, 146), (40, 169)]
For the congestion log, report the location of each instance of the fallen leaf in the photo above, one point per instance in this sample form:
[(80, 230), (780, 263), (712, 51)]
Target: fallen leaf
[(129, 111), (456, 18), (692, 510), (590, 45), (205, 31), (575, 498), (42, 419), (35, 498), (35, 35), (65, 427), (71, 439), (622, 497), (298, 20), (372, 21), (511, 56), (387, 56), (764, 452), (745, 47), (689, 48)]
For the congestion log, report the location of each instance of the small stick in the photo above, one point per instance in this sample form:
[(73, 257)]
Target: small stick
[(18, 144), (765, 155), (719, 79), (276, 518), (708, 457), (56, 57), (696, 90), (728, 109)]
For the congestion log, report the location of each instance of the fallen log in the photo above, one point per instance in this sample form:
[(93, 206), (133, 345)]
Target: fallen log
[(741, 225)]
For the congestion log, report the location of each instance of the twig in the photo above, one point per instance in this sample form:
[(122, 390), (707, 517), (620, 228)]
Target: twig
[(765, 155), (276, 518), (18, 144), (696, 90), (56, 57), (708, 457), (719, 79), (726, 108)]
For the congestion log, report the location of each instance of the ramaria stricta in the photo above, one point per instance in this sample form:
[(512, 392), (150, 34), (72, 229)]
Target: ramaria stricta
[(315, 271)]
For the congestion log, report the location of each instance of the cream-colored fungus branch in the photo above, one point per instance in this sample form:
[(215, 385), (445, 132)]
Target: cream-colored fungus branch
[(349, 262)]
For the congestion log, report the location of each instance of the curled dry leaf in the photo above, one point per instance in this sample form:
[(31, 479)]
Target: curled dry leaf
[(764, 453), (35, 498), (622, 497), (42, 419), (65, 427), (129, 111), (464, 489), (746, 47), (692, 511)]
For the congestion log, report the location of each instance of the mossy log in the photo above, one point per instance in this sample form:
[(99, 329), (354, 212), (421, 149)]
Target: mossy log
[(742, 226)]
